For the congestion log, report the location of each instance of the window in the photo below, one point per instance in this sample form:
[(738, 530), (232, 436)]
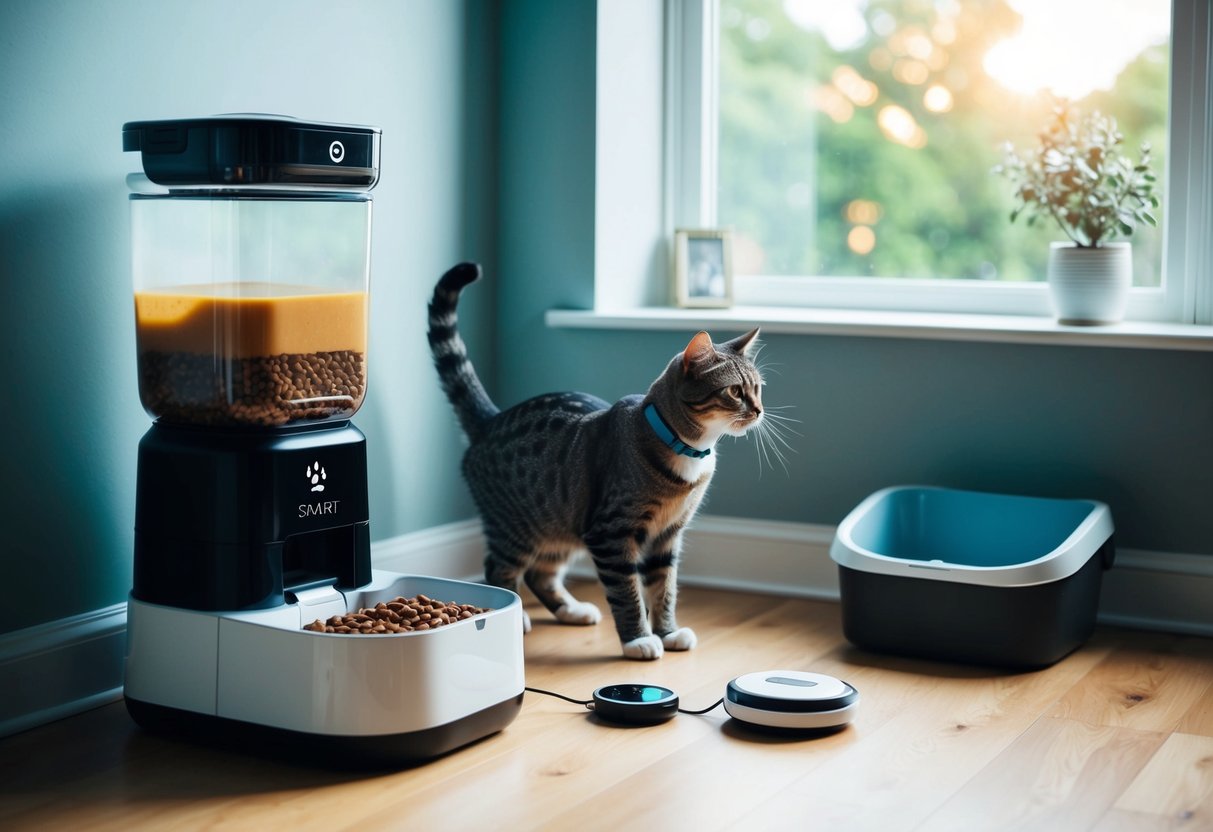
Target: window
[(850, 145)]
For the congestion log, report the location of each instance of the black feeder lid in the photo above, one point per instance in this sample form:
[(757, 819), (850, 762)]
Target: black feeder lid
[(255, 150)]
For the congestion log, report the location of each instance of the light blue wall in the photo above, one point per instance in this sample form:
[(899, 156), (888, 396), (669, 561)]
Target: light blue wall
[(73, 72), (1131, 427)]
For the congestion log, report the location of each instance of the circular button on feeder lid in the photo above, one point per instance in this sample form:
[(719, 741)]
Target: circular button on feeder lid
[(791, 699), (255, 151)]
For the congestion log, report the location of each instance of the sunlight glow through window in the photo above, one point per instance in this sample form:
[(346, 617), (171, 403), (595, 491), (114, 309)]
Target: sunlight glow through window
[(1108, 34)]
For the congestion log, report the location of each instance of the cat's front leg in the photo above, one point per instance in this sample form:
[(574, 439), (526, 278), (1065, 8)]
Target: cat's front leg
[(659, 574), (615, 560)]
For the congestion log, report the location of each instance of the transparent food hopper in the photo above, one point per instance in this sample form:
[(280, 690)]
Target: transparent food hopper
[(251, 308)]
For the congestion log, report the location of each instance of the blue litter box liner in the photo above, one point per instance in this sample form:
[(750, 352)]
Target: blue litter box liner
[(971, 536), (972, 576)]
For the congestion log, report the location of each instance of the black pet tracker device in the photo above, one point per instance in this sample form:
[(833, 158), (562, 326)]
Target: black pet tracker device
[(635, 704)]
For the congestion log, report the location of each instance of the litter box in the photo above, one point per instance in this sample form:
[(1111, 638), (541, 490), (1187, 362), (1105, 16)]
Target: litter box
[(970, 576)]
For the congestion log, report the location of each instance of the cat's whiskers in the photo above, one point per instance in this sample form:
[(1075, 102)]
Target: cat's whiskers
[(770, 439), (783, 419)]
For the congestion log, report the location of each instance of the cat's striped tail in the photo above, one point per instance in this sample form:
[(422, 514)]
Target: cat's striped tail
[(455, 371)]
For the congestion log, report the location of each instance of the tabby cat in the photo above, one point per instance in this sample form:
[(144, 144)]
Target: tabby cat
[(567, 472)]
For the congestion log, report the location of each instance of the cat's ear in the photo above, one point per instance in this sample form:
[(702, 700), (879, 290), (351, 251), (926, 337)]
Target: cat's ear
[(698, 351), (741, 345)]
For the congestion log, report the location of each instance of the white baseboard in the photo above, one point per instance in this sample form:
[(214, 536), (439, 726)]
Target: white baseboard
[(50, 672), (455, 550), (1163, 591), (56, 670)]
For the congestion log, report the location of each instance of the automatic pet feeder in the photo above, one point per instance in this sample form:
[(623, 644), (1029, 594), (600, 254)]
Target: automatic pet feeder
[(251, 244)]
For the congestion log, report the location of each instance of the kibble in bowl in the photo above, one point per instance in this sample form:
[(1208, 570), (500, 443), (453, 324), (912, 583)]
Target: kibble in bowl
[(400, 615)]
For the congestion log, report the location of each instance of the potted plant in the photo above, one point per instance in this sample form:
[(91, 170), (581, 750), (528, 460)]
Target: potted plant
[(1079, 177)]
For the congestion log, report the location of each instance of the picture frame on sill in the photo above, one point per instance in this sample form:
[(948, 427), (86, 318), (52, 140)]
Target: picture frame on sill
[(703, 267)]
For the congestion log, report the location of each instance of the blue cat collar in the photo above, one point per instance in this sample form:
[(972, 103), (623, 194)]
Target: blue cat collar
[(666, 435)]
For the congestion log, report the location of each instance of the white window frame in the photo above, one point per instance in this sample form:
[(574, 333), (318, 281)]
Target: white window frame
[(1186, 294)]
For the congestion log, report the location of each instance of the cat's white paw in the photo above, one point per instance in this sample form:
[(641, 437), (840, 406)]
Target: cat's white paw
[(681, 639), (526, 622), (645, 648), (579, 612)]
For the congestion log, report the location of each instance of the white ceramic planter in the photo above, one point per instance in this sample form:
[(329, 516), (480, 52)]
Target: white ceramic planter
[(1090, 285)]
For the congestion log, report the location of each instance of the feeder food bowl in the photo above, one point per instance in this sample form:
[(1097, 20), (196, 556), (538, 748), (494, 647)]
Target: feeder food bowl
[(257, 680), (968, 576)]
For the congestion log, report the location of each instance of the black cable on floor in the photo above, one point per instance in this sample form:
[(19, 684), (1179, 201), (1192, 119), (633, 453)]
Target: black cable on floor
[(713, 706), (586, 702)]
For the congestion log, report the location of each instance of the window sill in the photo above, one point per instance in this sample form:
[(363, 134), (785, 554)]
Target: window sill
[(1008, 329)]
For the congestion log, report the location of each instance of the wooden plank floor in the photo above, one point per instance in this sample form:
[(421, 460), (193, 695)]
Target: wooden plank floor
[(1118, 736)]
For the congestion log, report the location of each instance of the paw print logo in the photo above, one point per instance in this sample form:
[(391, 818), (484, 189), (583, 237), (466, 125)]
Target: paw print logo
[(314, 475)]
